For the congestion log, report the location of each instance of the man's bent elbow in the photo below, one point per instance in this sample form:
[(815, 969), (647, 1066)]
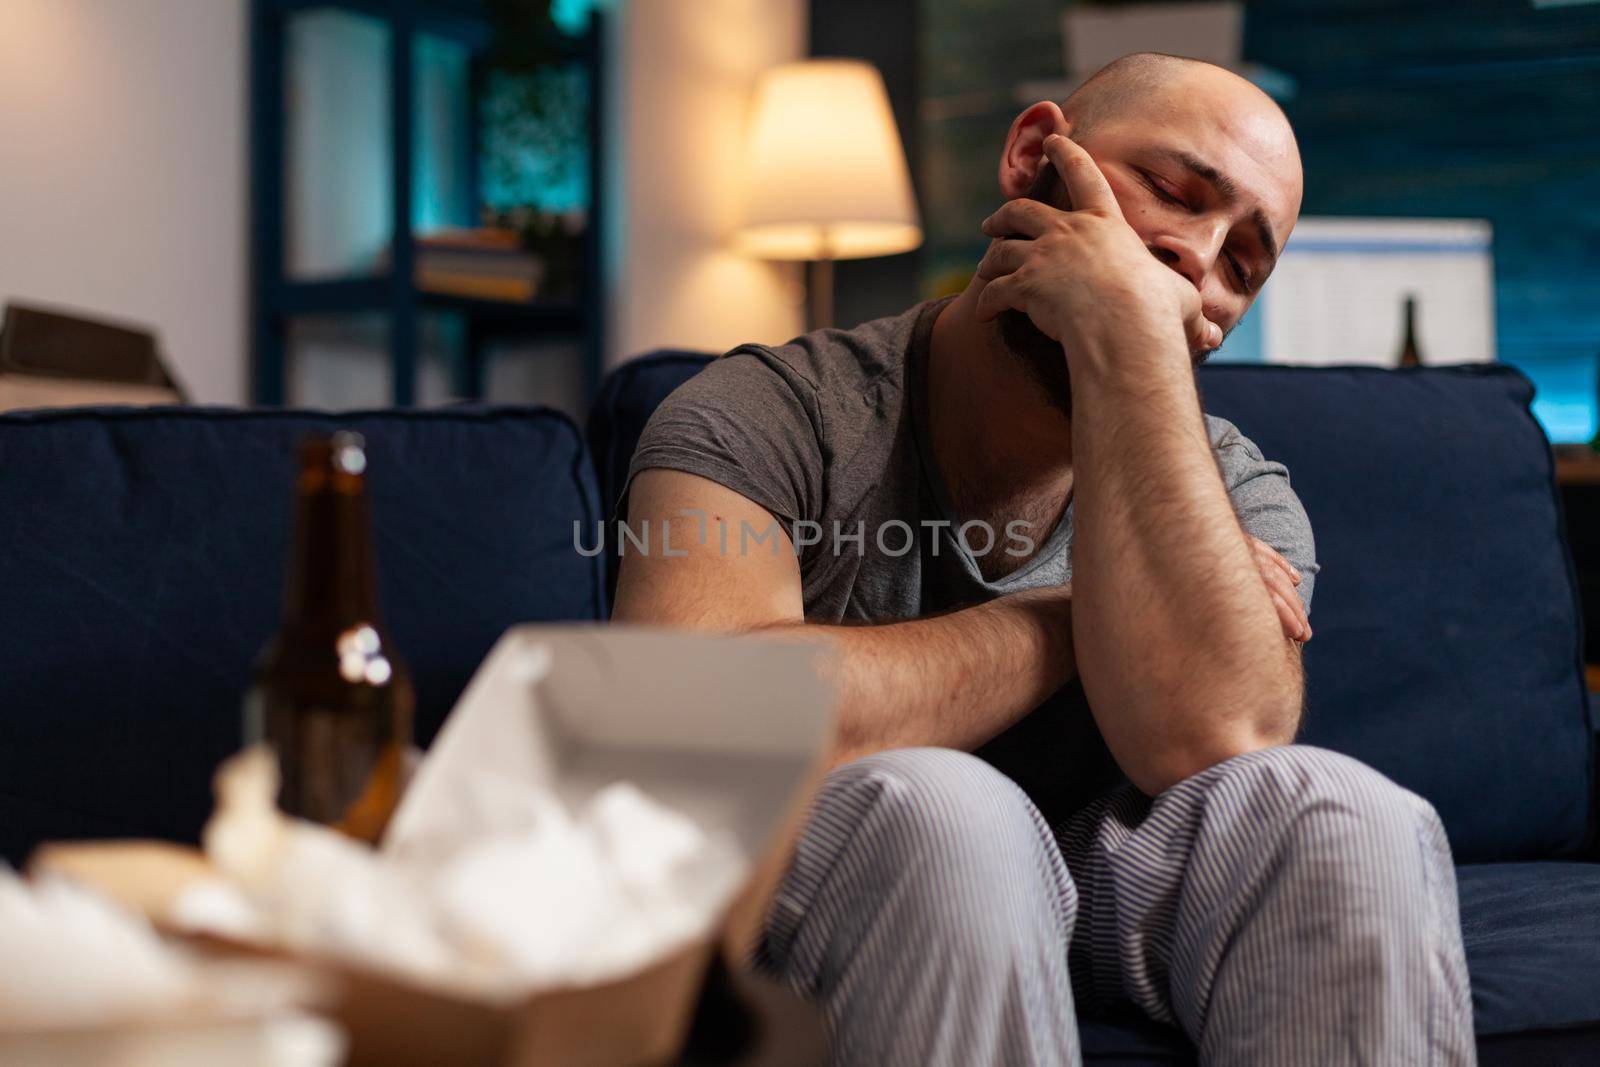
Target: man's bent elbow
[(1272, 724), (1180, 763)]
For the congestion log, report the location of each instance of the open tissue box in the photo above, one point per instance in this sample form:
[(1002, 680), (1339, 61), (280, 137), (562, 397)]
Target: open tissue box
[(603, 806)]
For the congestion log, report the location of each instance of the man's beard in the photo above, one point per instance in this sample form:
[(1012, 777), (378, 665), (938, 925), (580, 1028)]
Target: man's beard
[(1042, 359)]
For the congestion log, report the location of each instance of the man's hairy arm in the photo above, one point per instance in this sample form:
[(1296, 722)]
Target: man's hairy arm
[(952, 680), (1179, 644), (1185, 656)]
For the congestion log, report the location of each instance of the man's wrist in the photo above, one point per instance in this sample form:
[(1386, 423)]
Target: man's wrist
[(1130, 346), (1046, 615)]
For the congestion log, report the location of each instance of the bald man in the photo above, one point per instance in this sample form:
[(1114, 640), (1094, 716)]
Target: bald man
[(1064, 610)]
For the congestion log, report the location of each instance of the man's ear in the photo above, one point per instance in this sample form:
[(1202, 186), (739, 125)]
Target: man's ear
[(1023, 162)]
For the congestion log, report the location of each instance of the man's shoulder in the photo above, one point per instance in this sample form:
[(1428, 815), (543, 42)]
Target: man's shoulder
[(833, 361), (1237, 455), (1267, 505), (769, 421)]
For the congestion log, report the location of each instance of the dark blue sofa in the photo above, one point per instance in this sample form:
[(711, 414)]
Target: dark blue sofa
[(141, 556)]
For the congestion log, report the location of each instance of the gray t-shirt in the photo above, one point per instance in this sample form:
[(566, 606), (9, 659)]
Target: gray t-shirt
[(829, 434)]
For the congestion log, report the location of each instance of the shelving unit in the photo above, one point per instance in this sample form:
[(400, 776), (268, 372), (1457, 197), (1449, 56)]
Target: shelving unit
[(278, 299)]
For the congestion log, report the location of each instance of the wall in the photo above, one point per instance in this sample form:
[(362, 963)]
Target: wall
[(976, 57), (888, 34), (1490, 110), (122, 180), (678, 97), (123, 185)]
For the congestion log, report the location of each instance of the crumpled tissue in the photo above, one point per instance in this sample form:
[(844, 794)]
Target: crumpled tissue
[(73, 958), (518, 895), (86, 982)]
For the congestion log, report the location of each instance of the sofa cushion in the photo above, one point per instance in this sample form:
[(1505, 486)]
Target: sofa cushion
[(1447, 647), (1532, 932), (141, 563)]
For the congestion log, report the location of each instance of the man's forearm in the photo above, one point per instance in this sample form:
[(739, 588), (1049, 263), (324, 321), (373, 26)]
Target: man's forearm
[(1180, 650), (952, 680)]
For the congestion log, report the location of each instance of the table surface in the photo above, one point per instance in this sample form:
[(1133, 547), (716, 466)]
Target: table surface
[(1577, 465)]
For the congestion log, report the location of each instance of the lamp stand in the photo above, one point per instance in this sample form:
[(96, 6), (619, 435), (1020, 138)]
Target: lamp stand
[(821, 282), (820, 311)]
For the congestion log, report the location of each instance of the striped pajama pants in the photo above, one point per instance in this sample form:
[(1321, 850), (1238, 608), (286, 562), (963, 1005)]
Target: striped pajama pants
[(1289, 906)]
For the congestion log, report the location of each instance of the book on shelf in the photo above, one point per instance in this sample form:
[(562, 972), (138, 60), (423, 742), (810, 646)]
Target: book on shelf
[(475, 286), (483, 263), (471, 238)]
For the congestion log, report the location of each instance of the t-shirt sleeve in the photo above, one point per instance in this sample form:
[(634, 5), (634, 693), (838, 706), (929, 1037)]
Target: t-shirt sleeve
[(1267, 507), (748, 421)]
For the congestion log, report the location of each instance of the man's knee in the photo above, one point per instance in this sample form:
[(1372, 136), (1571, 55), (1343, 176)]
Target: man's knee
[(1334, 805), (951, 833), (939, 806), (926, 882)]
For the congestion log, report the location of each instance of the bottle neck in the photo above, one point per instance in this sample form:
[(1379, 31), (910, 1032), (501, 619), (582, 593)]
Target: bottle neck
[(331, 577)]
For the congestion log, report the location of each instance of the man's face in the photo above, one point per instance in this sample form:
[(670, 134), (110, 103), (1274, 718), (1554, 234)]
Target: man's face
[(1209, 178)]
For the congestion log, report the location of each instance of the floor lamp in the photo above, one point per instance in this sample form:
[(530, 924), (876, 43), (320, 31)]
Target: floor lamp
[(825, 174)]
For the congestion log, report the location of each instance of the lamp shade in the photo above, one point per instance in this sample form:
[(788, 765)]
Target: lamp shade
[(825, 173)]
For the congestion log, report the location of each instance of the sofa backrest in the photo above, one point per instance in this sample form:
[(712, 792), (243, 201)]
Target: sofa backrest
[(141, 563), (1447, 646)]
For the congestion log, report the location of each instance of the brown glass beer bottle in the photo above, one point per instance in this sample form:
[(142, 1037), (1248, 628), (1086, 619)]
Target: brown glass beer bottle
[(330, 694), (1410, 354)]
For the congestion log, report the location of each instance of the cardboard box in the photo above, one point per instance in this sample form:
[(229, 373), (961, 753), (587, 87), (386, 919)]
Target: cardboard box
[(731, 731)]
